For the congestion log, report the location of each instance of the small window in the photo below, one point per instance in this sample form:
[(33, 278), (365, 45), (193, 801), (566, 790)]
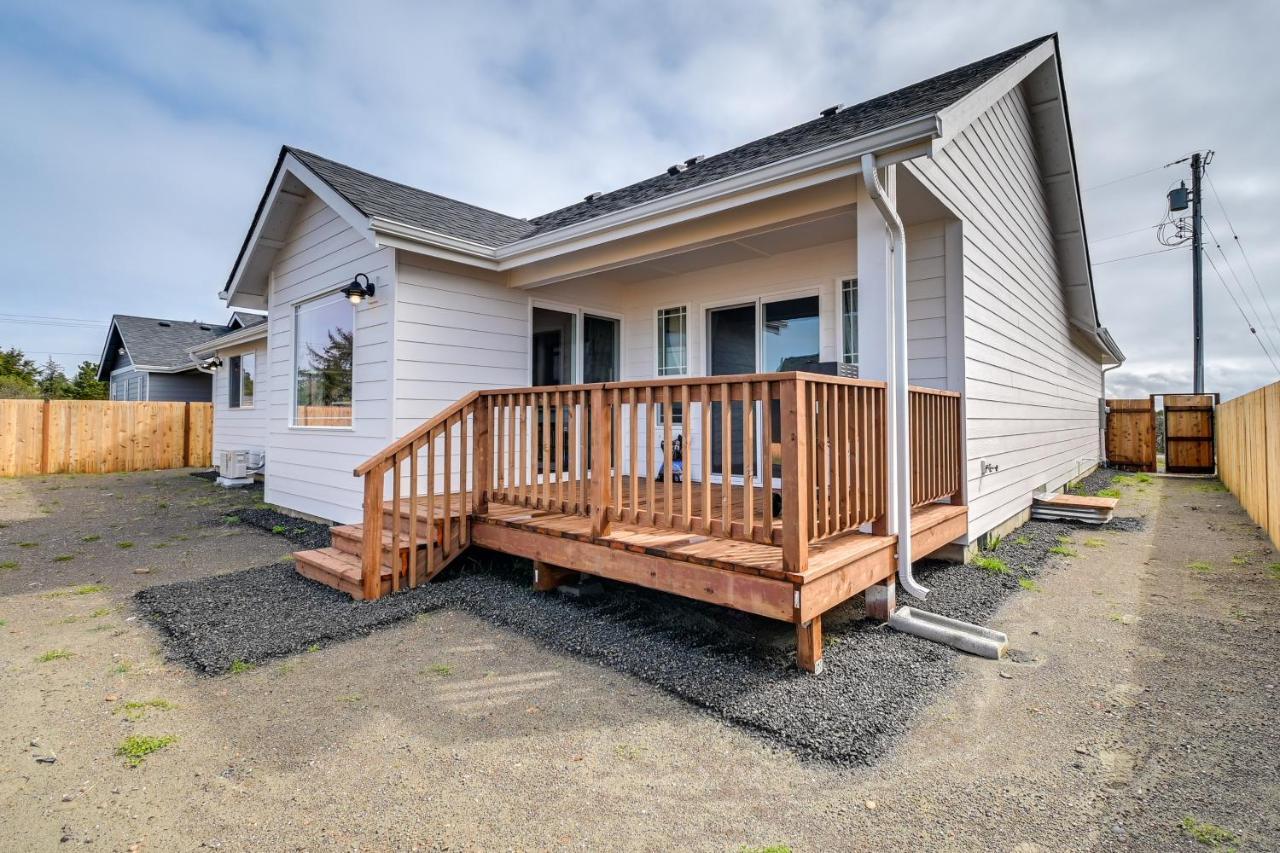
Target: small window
[(673, 341), (323, 339), (849, 320), (240, 374)]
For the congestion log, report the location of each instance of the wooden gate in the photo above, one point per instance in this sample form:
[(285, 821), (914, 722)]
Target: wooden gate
[(1131, 434), (1188, 433)]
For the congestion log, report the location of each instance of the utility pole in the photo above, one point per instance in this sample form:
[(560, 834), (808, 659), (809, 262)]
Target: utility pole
[(1197, 273)]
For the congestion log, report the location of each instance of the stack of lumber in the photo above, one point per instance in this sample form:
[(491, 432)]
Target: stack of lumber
[(1048, 506)]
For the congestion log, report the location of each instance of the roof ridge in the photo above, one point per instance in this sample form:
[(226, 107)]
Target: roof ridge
[(168, 320)]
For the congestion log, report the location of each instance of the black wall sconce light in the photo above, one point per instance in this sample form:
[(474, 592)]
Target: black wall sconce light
[(212, 364), (355, 291)]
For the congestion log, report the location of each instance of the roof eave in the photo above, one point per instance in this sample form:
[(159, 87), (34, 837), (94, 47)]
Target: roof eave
[(240, 336)]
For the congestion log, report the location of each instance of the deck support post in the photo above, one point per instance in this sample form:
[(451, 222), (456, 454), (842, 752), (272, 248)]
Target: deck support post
[(797, 492), (482, 457), (371, 542), (601, 452), (809, 645), (882, 599), (547, 577)]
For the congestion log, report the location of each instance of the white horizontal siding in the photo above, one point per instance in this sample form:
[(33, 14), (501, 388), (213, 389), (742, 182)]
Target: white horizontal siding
[(243, 428), (309, 469), (1030, 392)]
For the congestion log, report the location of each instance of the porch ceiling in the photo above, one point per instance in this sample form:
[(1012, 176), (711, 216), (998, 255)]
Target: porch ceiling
[(837, 226)]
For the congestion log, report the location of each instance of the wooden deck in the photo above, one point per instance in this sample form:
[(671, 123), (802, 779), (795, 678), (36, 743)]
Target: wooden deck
[(517, 471)]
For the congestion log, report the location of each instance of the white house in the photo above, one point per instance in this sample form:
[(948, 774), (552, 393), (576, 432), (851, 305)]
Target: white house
[(771, 256)]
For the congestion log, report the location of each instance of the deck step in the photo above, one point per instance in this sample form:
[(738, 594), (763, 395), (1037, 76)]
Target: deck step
[(334, 568), (1049, 506), (349, 538)]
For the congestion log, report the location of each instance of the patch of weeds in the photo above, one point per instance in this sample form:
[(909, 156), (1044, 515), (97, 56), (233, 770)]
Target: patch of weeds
[(263, 505), (1200, 566), (160, 545), (990, 564), (100, 612), (1211, 487), (1274, 570), (442, 670), (53, 654), (28, 544), (1123, 480), (135, 711), (122, 668), (1238, 613), (239, 666), (426, 617), (993, 543), (1064, 540), (135, 748), (1208, 834), (1028, 584), (231, 519), (93, 537), (181, 537), (124, 545), (3, 623), (627, 752), (350, 698), (9, 565), (279, 528), (69, 620), (87, 589), (1095, 543), (64, 558), (1143, 478), (202, 502), (1022, 540), (314, 647), (1063, 551), (1239, 560), (162, 505), (1108, 493)]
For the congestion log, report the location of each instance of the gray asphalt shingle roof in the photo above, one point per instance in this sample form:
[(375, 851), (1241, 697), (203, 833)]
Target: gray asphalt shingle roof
[(154, 342), (374, 196)]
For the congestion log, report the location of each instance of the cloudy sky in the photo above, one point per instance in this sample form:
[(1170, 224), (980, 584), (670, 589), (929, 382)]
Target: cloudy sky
[(138, 136)]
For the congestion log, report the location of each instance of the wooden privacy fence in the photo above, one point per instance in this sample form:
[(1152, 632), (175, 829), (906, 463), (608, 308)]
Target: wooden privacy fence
[(1131, 434), (101, 436), (1248, 433)]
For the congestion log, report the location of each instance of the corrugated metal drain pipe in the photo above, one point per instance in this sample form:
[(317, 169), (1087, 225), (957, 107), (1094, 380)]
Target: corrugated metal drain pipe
[(967, 637)]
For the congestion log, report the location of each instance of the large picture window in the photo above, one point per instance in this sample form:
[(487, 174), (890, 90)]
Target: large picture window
[(240, 374), (849, 320), (323, 337)]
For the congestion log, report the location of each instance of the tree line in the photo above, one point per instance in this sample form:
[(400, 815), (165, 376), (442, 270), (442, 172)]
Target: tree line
[(21, 378)]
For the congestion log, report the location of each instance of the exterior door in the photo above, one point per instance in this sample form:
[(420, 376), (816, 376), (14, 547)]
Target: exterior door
[(1188, 433), (731, 349)]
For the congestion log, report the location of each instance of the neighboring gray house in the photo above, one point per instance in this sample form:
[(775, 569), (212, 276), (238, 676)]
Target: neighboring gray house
[(145, 358)]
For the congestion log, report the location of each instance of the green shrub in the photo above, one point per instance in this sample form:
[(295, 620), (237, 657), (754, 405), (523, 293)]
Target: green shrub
[(135, 748)]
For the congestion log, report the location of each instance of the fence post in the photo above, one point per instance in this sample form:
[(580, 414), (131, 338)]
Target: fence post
[(601, 426), (371, 540), (797, 493), (46, 431), (482, 456), (186, 435)]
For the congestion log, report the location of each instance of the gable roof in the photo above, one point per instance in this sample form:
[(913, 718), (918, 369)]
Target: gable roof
[(155, 344), (242, 319), (375, 196)]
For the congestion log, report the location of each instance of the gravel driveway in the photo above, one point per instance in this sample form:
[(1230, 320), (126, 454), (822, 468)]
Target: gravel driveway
[(1140, 699)]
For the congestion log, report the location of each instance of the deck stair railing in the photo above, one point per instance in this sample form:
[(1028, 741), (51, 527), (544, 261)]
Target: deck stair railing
[(748, 449)]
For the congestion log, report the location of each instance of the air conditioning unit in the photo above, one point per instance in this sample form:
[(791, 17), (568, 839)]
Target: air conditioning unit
[(233, 468)]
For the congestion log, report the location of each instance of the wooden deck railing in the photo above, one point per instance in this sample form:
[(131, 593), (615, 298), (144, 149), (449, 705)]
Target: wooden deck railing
[(783, 458), (937, 457)]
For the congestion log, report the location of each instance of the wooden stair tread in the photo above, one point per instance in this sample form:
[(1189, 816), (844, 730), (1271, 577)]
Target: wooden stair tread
[(356, 532), (335, 562)]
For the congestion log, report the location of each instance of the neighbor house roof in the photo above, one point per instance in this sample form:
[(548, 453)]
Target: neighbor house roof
[(373, 196), (155, 344), (241, 319)]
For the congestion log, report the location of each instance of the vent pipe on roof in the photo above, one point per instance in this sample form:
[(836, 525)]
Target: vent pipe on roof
[(832, 110), (591, 197), (694, 160), (676, 168)]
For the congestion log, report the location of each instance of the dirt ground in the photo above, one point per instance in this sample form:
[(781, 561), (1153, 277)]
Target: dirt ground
[(1141, 695)]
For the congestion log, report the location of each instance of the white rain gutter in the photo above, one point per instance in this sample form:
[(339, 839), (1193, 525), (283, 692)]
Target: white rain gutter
[(899, 438)]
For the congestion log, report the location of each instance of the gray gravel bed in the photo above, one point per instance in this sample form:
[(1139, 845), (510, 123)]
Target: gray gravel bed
[(735, 666), (305, 534)]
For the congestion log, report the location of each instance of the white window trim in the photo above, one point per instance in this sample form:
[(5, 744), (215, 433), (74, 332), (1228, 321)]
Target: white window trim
[(579, 339), (688, 341), (240, 406), (841, 343), (293, 372)]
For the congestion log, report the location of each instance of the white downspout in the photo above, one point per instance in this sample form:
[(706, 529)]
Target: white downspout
[(1102, 411), (899, 444)]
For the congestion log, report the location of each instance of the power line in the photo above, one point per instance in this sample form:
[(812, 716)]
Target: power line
[(1127, 177), (1139, 255), (45, 317), (1240, 247), (1252, 330), (1240, 284), (1093, 240)]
